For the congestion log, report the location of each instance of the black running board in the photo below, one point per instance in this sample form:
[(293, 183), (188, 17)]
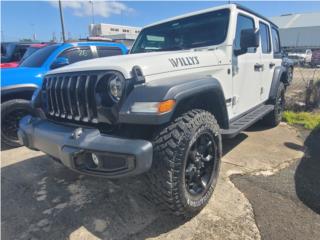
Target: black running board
[(246, 121)]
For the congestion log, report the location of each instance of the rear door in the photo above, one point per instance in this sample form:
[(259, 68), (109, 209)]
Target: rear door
[(271, 56), (266, 59)]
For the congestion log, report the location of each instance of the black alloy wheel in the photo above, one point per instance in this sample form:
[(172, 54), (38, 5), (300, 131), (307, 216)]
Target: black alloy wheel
[(200, 165), (11, 113)]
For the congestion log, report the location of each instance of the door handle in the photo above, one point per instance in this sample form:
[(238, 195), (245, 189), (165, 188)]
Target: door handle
[(258, 67), (271, 65)]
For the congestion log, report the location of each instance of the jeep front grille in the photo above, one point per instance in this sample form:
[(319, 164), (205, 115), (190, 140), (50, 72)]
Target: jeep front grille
[(71, 96)]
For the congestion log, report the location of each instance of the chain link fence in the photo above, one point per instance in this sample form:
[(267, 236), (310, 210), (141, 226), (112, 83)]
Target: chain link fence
[(304, 92)]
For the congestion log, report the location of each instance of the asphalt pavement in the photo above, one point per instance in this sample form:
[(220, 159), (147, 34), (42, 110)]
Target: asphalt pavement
[(286, 205), (42, 199)]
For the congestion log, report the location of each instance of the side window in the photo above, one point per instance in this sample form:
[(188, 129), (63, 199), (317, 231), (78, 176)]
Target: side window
[(108, 51), (265, 38), (243, 22), (18, 53), (275, 40), (77, 54)]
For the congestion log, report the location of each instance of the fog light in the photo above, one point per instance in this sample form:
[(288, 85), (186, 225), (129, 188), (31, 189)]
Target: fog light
[(95, 159)]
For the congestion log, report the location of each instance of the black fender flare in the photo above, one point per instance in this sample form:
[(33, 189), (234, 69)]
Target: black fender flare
[(23, 91), (178, 89), (276, 79)]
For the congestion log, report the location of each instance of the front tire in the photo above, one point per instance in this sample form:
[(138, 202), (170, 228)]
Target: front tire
[(11, 113), (274, 118), (186, 162)]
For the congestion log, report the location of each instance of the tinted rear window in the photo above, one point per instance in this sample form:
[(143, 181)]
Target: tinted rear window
[(108, 51)]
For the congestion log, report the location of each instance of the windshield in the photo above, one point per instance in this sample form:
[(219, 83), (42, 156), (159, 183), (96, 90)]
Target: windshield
[(39, 57), (196, 31)]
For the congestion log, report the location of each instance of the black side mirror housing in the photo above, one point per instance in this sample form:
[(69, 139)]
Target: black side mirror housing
[(60, 62), (249, 38)]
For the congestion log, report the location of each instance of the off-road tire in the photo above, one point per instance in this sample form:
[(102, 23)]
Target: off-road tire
[(171, 146), (273, 118), (7, 108)]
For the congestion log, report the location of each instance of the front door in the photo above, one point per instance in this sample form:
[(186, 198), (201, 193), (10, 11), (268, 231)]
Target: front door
[(246, 71)]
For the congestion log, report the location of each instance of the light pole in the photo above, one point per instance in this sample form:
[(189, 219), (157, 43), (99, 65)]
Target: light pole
[(62, 22), (92, 11), (33, 32)]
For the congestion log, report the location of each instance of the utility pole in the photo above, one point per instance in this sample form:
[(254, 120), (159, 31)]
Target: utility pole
[(33, 32), (62, 22), (92, 11), (53, 37)]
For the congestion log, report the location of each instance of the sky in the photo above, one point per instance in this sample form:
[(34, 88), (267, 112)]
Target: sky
[(20, 19)]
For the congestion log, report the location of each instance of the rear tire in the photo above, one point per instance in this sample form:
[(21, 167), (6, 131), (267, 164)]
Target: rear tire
[(186, 162), (11, 113), (274, 118)]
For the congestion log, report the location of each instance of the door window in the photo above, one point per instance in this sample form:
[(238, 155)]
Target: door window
[(265, 38), (108, 51), (77, 54), (275, 41), (18, 52), (243, 22)]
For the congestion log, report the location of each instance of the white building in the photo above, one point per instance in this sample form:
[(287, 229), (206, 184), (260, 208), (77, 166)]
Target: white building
[(299, 31), (124, 34)]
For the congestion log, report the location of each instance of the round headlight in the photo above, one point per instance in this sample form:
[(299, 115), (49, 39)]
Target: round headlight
[(116, 86)]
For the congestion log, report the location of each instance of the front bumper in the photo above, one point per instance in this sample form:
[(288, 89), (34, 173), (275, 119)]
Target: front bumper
[(75, 147)]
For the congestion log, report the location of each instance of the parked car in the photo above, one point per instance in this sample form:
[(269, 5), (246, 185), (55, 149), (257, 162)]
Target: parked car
[(308, 56), (18, 84), (163, 109), (289, 65), (315, 59), (297, 59), (12, 52), (31, 49)]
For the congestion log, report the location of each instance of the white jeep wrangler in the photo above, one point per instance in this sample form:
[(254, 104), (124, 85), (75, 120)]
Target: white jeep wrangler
[(163, 109)]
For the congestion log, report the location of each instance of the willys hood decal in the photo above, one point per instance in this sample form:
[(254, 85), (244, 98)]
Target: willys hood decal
[(151, 63)]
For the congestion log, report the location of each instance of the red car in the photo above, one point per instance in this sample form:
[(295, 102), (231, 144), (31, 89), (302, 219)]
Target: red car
[(315, 59), (12, 54)]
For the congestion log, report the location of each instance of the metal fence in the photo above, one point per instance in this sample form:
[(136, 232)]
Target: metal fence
[(304, 92)]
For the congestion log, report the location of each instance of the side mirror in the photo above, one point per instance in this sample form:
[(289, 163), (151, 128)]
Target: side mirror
[(249, 38), (60, 62)]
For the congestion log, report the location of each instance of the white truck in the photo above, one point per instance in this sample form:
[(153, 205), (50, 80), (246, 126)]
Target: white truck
[(163, 109)]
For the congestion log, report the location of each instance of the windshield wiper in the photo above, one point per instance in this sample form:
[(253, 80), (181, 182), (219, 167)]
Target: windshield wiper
[(174, 48)]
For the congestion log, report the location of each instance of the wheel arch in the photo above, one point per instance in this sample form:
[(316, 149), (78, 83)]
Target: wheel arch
[(210, 99), (17, 92), (279, 75), (188, 92)]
